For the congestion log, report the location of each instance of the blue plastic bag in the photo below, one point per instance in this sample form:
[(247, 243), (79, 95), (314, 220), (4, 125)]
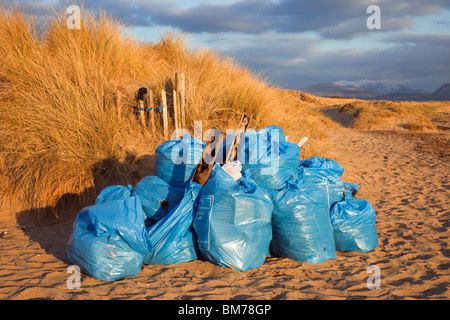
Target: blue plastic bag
[(270, 160), (233, 221), (109, 239), (320, 170), (301, 223), (331, 166), (261, 137), (114, 193), (176, 160), (172, 238), (354, 227), (158, 197)]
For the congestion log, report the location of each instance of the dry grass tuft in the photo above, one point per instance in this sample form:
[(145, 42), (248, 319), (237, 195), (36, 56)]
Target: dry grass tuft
[(376, 114), (386, 115)]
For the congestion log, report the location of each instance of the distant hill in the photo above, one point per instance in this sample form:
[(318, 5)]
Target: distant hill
[(388, 88), (444, 90), (441, 94), (334, 90), (378, 91)]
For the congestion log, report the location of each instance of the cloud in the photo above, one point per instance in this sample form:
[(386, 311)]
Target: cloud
[(299, 62), (417, 38), (345, 30), (38, 8), (249, 16), (329, 18)]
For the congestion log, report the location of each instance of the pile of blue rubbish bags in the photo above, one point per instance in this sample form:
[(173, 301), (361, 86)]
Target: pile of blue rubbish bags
[(271, 204)]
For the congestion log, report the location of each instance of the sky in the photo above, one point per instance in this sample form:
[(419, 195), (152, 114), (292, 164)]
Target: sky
[(297, 43)]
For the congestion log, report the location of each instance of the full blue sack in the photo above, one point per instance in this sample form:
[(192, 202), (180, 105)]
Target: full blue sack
[(262, 137), (114, 193), (176, 160), (171, 239), (301, 223), (331, 166), (354, 227), (109, 239), (269, 158), (233, 221), (158, 198), (321, 170)]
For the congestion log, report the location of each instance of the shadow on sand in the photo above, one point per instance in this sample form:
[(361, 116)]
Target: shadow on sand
[(51, 226), (340, 114)]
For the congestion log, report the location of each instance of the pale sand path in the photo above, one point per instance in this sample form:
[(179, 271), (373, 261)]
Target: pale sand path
[(405, 176)]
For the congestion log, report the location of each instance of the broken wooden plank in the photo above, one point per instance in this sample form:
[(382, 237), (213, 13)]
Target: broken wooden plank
[(204, 168), (151, 109), (180, 88), (175, 110), (238, 137), (164, 111)]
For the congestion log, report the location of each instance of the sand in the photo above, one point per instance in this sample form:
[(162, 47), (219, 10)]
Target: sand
[(406, 176)]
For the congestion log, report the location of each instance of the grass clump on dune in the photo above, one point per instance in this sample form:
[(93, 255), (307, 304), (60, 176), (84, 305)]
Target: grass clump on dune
[(380, 115)]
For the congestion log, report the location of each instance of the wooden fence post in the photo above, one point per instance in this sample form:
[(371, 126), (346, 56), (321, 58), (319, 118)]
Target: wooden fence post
[(151, 111), (180, 87), (164, 110), (175, 109), (142, 92)]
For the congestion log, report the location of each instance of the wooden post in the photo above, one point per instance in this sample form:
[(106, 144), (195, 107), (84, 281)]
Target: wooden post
[(180, 87), (175, 110), (142, 92), (118, 102), (142, 113), (151, 107), (198, 127), (164, 110), (177, 93), (183, 101)]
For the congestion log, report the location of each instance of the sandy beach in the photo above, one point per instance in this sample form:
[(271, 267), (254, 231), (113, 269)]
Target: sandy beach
[(89, 91), (406, 176)]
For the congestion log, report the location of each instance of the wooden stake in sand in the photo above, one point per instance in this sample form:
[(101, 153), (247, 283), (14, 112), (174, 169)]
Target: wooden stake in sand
[(151, 111), (175, 110), (180, 88), (164, 111), (142, 92)]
